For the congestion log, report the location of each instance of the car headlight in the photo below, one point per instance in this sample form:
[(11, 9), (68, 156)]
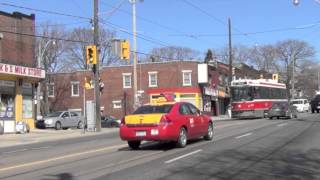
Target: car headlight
[(48, 121)]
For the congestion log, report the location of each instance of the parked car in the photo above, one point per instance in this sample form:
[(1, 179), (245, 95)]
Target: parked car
[(63, 119), (315, 104), (283, 109), (301, 104), (176, 122), (110, 121)]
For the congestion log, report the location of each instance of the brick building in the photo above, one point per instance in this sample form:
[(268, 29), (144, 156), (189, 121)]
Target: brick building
[(178, 77), (18, 72)]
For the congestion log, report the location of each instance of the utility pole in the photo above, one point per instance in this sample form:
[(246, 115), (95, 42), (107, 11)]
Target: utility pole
[(96, 66), (293, 74), (230, 54), (318, 81), (135, 81)]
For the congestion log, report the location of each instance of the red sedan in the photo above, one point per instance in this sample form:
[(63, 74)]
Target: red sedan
[(177, 122)]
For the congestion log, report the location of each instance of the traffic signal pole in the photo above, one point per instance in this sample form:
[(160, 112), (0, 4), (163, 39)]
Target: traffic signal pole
[(96, 66)]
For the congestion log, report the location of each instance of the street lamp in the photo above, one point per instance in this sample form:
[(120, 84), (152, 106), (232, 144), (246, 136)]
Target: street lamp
[(296, 2), (41, 51)]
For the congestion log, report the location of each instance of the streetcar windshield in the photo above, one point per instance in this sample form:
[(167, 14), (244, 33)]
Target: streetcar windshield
[(244, 93)]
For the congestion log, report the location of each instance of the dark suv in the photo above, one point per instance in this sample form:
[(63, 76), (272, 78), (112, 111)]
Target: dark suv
[(315, 104)]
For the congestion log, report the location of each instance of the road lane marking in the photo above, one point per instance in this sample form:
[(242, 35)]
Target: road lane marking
[(228, 125), (183, 156), (19, 150), (283, 124), (244, 135), (62, 157)]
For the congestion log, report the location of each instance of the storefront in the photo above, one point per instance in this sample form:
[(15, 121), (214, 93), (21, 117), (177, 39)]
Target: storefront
[(223, 100), (210, 101), (17, 84), (188, 94)]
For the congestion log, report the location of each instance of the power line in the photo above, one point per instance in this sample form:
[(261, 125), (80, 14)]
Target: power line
[(151, 22), (302, 27), (44, 11), (44, 37), (213, 17), (144, 37)]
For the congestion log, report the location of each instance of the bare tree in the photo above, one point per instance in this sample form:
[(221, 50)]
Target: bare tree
[(49, 53), (240, 54), (76, 51), (173, 53), (265, 58), (292, 53)]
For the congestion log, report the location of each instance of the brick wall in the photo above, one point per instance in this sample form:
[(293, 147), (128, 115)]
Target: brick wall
[(169, 76), (15, 48)]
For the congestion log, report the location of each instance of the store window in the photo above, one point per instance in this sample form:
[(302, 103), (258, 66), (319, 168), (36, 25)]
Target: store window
[(51, 90), (27, 106), (186, 76), (126, 80), (7, 94), (153, 79), (75, 88)]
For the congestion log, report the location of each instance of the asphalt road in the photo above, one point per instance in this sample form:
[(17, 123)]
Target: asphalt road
[(241, 149)]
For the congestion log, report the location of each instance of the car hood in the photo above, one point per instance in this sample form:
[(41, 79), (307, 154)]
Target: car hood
[(50, 118)]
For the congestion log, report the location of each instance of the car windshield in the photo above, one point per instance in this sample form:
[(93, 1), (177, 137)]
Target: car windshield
[(54, 114), (150, 109), (279, 105), (242, 93), (297, 102)]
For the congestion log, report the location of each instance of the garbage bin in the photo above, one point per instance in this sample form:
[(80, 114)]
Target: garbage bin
[(22, 127)]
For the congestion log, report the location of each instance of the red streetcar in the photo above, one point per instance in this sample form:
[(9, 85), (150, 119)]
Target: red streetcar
[(165, 121), (254, 98)]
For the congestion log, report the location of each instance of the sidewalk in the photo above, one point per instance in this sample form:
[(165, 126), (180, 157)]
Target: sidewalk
[(221, 118), (45, 135)]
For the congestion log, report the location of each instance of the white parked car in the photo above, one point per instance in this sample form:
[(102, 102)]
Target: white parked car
[(302, 105)]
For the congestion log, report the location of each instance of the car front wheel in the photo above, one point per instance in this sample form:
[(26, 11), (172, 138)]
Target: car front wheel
[(209, 134), (182, 140), (58, 126)]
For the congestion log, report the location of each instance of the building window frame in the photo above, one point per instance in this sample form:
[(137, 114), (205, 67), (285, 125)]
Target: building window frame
[(51, 95), (73, 83), (126, 84), (186, 73), (117, 104), (153, 82)]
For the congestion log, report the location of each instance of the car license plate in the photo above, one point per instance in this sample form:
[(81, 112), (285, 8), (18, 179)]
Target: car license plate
[(141, 133)]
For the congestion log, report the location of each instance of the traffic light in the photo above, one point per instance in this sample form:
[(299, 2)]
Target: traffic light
[(88, 83), (91, 52), (125, 50)]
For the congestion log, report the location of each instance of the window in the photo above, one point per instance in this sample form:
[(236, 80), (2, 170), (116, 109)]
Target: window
[(65, 115), (184, 109), (193, 109), (153, 79), (51, 90), (153, 109), (75, 88), (186, 76), (126, 80), (117, 104), (73, 114)]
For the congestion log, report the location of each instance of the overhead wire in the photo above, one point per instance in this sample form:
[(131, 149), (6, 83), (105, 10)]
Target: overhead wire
[(45, 11), (215, 18)]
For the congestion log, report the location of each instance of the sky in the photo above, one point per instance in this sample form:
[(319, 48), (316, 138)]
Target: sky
[(197, 24)]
